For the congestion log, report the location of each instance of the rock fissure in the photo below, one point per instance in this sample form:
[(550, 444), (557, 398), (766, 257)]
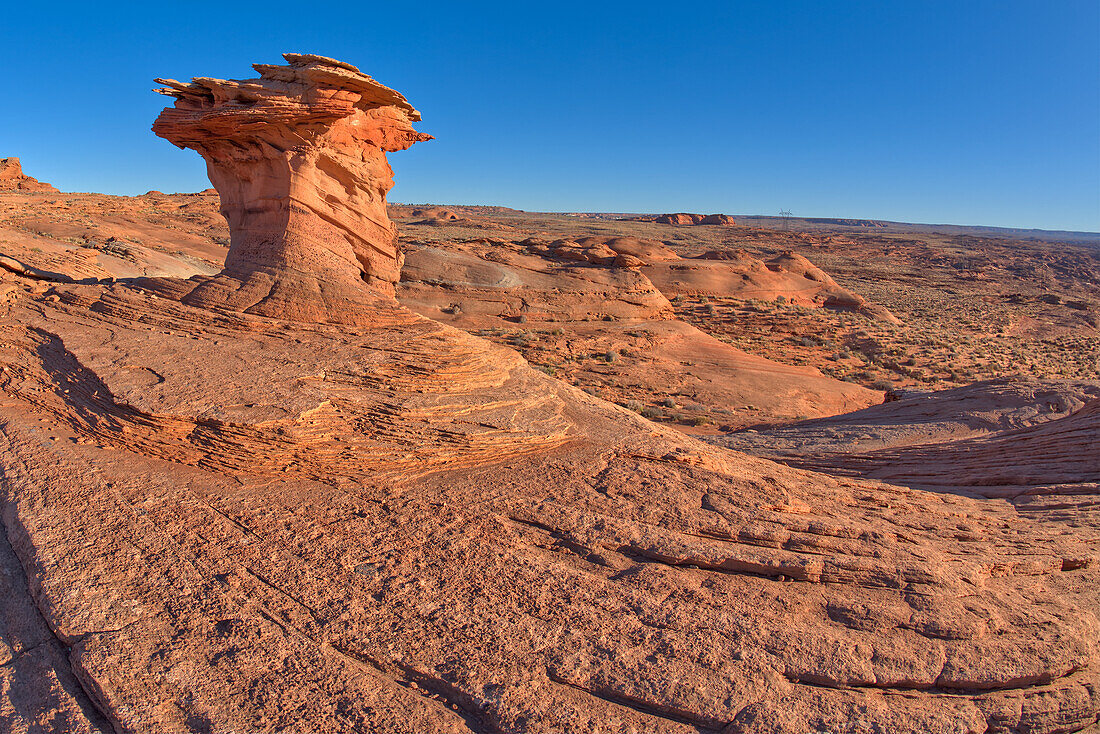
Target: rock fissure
[(90, 705)]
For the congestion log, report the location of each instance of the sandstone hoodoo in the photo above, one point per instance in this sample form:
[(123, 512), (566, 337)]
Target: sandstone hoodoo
[(298, 157)]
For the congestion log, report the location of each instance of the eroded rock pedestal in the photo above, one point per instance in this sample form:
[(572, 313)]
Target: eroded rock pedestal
[(298, 158)]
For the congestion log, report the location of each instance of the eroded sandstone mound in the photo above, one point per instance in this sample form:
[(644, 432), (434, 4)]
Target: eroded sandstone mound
[(588, 295), (688, 219), (298, 158)]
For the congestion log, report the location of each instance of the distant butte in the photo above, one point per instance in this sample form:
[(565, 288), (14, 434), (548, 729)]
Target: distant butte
[(298, 157), (12, 178)]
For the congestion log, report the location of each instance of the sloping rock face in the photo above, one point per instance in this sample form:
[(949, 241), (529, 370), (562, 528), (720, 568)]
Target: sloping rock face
[(12, 178), (298, 158), (1035, 443), (230, 521)]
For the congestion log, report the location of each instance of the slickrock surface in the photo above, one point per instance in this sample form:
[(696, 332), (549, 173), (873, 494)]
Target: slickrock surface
[(1033, 442), (232, 521), (298, 158), (100, 237), (12, 178), (591, 296), (399, 527), (737, 274)]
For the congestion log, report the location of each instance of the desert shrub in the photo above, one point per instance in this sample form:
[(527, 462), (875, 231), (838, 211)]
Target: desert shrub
[(633, 405), (611, 356), (882, 385), (652, 413), (669, 403)]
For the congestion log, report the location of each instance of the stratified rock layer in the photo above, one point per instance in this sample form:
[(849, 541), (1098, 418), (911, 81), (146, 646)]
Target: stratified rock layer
[(298, 158), (264, 525)]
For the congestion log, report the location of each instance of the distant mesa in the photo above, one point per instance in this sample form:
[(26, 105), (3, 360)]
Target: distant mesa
[(679, 218), (443, 214), (12, 178), (298, 157), (721, 219), (683, 218)]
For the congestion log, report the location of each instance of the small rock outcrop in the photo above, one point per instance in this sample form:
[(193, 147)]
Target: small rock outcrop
[(12, 178), (298, 157), (683, 218), (680, 218), (720, 219)]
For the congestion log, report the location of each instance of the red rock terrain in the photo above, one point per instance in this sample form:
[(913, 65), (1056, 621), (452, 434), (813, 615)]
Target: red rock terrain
[(606, 297), (276, 499)]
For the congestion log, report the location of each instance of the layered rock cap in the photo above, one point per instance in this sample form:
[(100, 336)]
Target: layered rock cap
[(298, 157)]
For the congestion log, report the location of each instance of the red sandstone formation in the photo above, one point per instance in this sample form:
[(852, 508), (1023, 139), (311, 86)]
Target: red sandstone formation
[(679, 218), (688, 219), (592, 291), (721, 219), (12, 178), (737, 274), (298, 157), (221, 520)]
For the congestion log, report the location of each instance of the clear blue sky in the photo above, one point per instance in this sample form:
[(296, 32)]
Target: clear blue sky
[(966, 112)]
